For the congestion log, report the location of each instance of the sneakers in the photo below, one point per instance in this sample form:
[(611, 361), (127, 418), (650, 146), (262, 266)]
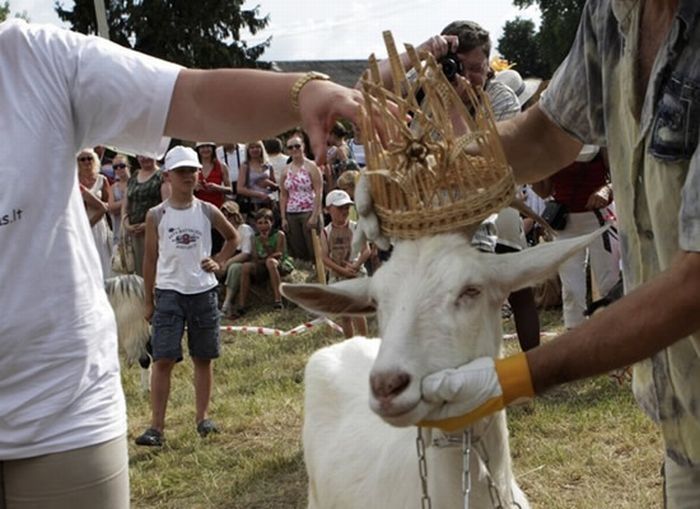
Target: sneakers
[(151, 438), (206, 427)]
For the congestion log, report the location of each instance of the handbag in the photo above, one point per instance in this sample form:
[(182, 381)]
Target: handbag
[(556, 214), (123, 257)]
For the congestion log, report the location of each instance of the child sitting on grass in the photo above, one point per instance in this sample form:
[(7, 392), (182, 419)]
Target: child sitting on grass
[(270, 259), (336, 245)]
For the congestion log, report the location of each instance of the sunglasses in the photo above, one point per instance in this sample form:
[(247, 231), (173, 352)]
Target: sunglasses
[(119, 166), (297, 146), (84, 159)]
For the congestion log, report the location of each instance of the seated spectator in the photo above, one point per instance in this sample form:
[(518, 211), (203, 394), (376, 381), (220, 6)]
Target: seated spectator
[(582, 187), (270, 259), (256, 180), (301, 190), (232, 268), (336, 244)]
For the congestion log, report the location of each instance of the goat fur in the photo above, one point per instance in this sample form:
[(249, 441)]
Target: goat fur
[(438, 304)]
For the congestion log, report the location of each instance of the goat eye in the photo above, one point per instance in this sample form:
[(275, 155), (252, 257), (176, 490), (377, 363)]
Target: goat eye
[(470, 292)]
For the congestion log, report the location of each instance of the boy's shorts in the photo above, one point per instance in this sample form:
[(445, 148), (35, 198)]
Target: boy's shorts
[(174, 310)]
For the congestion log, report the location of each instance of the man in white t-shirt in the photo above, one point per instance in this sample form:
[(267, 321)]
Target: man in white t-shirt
[(62, 409)]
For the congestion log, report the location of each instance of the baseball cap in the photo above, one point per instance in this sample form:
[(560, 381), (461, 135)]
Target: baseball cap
[(204, 144), (338, 198), (179, 156)]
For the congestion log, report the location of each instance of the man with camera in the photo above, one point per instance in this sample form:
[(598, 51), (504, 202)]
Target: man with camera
[(463, 49)]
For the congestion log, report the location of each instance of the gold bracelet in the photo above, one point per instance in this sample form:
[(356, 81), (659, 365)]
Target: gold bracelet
[(299, 84)]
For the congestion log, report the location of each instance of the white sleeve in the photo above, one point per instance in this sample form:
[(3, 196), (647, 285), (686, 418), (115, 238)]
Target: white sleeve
[(118, 96)]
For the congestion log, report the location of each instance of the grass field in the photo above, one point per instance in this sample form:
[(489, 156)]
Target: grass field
[(584, 446)]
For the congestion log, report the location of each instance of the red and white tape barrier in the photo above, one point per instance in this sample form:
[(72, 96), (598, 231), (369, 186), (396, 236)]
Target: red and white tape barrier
[(267, 331)]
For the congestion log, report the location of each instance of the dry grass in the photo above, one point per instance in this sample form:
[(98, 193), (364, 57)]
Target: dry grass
[(584, 446)]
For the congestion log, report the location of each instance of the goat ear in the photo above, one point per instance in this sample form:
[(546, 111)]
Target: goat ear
[(529, 266), (350, 297)]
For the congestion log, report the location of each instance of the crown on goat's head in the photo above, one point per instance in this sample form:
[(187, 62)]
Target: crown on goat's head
[(443, 171)]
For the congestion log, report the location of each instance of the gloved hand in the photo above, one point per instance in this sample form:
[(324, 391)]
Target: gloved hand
[(475, 390)]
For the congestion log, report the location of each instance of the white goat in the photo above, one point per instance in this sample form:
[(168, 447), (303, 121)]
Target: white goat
[(125, 294), (438, 302)]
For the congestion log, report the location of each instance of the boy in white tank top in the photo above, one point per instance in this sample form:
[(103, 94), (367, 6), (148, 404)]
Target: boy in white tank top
[(182, 288)]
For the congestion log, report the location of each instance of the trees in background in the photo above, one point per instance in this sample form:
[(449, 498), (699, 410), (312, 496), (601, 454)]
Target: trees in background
[(201, 34), (539, 53)]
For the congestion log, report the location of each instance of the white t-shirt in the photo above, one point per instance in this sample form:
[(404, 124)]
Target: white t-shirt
[(233, 159), (184, 240), (60, 91), (247, 238)]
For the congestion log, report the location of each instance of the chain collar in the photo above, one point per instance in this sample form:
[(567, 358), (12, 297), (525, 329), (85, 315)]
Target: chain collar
[(464, 440)]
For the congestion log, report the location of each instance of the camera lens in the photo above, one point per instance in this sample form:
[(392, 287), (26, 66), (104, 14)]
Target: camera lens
[(451, 66)]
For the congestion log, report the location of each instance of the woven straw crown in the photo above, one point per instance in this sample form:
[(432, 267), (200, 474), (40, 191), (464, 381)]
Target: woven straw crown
[(424, 177)]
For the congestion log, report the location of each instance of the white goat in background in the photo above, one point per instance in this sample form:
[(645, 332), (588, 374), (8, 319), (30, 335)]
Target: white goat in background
[(438, 302), (125, 294)]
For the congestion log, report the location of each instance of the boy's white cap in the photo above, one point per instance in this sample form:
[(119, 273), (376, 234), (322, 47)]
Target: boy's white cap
[(338, 198), (180, 156), (205, 144)]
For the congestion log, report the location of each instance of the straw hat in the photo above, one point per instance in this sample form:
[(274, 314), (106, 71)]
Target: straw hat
[(524, 89)]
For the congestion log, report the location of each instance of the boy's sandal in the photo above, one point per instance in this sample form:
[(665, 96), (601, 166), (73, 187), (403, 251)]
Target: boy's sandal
[(206, 427), (151, 437)]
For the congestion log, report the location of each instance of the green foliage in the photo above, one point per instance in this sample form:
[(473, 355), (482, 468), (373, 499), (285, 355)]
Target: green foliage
[(203, 34), (519, 44), (5, 13), (558, 27)]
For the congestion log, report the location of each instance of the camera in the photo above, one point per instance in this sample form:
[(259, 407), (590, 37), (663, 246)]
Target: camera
[(451, 66)]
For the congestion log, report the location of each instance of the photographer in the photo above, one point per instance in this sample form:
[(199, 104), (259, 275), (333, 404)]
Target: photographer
[(463, 49)]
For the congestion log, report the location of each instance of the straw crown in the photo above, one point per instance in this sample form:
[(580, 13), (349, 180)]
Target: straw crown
[(426, 178)]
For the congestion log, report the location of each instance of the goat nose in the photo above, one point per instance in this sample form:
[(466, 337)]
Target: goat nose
[(389, 385)]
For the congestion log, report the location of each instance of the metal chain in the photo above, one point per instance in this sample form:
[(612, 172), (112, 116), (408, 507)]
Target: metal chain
[(423, 471), (495, 495), (447, 441), (466, 477)]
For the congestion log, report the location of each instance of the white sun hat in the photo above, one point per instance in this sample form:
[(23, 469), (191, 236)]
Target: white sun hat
[(179, 156), (524, 89)]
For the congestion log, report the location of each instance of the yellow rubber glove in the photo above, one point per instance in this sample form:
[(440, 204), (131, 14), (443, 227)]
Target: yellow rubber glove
[(475, 390)]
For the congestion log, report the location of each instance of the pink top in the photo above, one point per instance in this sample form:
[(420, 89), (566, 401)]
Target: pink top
[(300, 190)]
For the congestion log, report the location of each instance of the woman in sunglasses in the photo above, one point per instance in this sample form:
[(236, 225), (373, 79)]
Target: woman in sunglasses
[(301, 190), (117, 191), (95, 190)]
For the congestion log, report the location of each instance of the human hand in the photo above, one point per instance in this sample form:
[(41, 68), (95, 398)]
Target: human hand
[(209, 264), (148, 309), (599, 199), (285, 225), (470, 392), (312, 223), (439, 45)]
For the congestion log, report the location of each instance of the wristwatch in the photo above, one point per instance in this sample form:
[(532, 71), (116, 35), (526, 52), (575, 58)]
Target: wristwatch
[(300, 83)]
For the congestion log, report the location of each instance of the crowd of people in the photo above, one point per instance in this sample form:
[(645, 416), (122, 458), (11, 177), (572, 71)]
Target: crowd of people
[(651, 164)]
